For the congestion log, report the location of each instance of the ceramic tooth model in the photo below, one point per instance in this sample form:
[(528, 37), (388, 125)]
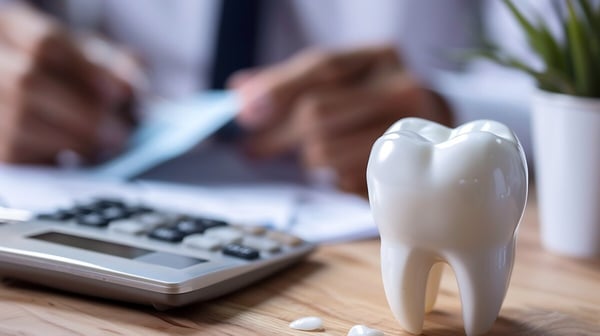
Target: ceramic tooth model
[(447, 195)]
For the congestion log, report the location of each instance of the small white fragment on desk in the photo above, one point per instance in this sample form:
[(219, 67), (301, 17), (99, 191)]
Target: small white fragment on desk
[(310, 323), (363, 330)]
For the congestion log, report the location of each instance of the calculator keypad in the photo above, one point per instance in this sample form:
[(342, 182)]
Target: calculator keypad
[(192, 232)]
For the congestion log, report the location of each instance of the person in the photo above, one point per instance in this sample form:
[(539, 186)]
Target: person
[(331, 77)]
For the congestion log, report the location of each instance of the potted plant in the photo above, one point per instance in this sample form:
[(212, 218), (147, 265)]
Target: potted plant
[(565, 124)]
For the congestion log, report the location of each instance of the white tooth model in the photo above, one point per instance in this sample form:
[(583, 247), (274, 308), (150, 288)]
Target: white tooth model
[(447, 195)]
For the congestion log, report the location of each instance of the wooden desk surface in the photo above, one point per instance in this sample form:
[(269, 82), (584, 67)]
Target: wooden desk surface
[(549, 295)]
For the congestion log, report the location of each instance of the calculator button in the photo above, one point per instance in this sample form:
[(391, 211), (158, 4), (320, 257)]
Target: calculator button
[(92, 220), (284, 238), (108, 203), (241, 251), (167, 234), (152, 220), (211, 223), (138, 210), (227, 235), (58, 216), (129, 227), (83, 210), (202, 242), (189, 226), (261, 243)]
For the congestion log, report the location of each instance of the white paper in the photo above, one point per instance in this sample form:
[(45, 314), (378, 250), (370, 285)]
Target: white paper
[(313, 214)]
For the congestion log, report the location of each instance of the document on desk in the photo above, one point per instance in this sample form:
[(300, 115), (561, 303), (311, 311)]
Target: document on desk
[(312, 213), (170, 129)]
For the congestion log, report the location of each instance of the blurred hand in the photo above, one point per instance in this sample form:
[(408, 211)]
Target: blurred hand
[(52, 97), (332, 106)]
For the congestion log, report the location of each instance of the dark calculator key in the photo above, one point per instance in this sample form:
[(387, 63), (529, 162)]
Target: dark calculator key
[(83, 210), (241, 251), (211, 223), (189, 226), (138, 210), (167, 234), (108, 203), (92, 220), (58, 216), (65, 214), (46, 217)]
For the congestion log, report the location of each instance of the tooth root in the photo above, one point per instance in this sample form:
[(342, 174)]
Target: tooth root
[(483, 281), (433, 284), (405, 275)]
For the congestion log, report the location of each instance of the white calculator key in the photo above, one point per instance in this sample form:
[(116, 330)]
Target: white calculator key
[(261, 243), (151, 220), (202, 242), (129, 227), (226, 235)]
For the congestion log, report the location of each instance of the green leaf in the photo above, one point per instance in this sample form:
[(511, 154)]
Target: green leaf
[(579, 52), (540, 39), (588, 12), (551, 52), (549, 80), (526, 25), (572, 66)]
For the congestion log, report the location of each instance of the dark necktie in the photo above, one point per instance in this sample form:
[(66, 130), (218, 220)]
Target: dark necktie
[(236, 40), (236, 46)]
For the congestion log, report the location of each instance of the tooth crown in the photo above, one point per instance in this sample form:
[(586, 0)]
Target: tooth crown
[(440, 194)]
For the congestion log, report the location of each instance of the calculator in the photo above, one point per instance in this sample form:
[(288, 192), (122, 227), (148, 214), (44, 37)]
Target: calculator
[(131, 252)]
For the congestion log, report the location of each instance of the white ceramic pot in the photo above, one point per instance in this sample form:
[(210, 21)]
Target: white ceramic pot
[(566, 140)]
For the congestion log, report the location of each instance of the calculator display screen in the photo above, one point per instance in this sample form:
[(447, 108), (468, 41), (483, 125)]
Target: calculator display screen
[(118, 250)]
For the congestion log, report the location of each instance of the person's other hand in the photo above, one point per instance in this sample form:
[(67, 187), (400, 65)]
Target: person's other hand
[(52, 97), (332, 106)]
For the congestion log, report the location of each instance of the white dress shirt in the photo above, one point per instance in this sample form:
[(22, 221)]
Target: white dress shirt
[(175, 40)]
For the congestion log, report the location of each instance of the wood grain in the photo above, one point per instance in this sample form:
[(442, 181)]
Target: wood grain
[(549, 295)]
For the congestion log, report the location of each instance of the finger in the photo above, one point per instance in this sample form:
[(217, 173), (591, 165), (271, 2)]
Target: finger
[(326, 115), (343, 153), (274, 141), (25, 89), (15, 69), (65, 109), (315, 68), (346, 155), (241, 77), (24, 27), (51, 48), (269, 94), (61, 57), (30, 140)]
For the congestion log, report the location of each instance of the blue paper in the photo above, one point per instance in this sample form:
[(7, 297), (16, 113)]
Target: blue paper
[(171, 129)]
